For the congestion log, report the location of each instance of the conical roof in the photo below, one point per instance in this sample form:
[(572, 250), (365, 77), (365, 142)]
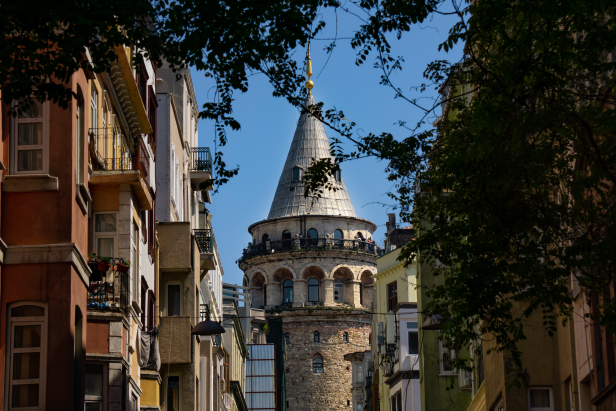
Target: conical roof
[(309, 142)]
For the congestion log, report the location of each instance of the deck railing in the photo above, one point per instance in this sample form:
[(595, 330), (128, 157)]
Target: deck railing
[(109, 285), (311, 244)]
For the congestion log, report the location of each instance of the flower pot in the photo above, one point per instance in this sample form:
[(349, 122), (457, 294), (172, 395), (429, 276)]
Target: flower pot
[(103, 266), (121, 268)]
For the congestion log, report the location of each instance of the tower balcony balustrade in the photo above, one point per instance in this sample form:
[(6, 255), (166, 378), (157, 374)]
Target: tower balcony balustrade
[(311, 244)]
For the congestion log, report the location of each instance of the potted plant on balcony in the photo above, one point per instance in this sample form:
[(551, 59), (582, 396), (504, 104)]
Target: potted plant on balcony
[(123, 268), (104, 264)]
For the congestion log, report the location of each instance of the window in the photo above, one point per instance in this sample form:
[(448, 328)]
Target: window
[(287, 338), (413, 342), (80, 124), (317, 365), (287, 291), (286, 235), (540, 399), (27, 331), (396, 401), (94, 387), (134, 262), (338, 290), (359, 372), (173, 393), (392, 296), (264, 238), (174, 300), (338, 175), (338, 235), (297, 173), (94, 112), (30, 138), (105, 232), (446, 356), (312, 233), (313, 290), (255, 338), (317, 336), (132, 406), (345, 336), (226, 370)]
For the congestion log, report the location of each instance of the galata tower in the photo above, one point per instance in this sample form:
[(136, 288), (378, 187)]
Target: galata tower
[(310, 263)]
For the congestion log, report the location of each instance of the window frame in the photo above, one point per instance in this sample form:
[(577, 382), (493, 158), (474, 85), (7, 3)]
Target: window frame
[(284, 291), (19, 321), (359, 372), (95, 399), (14, 151), (452, 353), (167, 298), (105, 234), (179, 377), (94, 112), (411, 330), (297, 174), (321, 367), (308, 233), (392, 301), (316, 336), (317, 288), (537, 388), (345, 337), (287, 338), (338, 286)]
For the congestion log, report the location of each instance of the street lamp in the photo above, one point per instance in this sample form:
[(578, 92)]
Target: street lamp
[(207, 327)]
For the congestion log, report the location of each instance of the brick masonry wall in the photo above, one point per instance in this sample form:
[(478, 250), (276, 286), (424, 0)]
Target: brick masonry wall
[(331, 390)]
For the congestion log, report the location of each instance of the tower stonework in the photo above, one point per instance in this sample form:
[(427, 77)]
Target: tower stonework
[(311, 263)]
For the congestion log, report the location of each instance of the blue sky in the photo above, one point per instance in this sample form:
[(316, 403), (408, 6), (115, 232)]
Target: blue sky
[(268, 124)]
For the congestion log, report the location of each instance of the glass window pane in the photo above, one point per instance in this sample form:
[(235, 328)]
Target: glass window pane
[(94, 380), (413, 343), (93, 406), (312, 233), (26, 366), (105, 247), (173, 300), (27, 311), (173, 394), (411, 325), (34, 111), (540, 398), (338, 234), (27, 336), (313, 293), (29, 160), (29, 134), (26, 395), (105, 223)]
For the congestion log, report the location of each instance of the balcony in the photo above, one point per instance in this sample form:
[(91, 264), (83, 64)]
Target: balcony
[(120, 169), (175, 246), (226, 401), (174, 340), (311, 244), (201, 166), (206, 243), (109, 284)]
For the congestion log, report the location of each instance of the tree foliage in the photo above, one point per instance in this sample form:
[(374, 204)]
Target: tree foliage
[(512, 189)]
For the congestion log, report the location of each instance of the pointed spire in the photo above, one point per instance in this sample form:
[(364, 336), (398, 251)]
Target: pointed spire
[(309, 83), (309, 142)]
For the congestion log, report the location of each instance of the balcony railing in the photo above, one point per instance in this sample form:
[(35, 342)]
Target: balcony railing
[(226, 401), (205, 240), (311, 244), (109, 284), (139, 162), (201, 159)]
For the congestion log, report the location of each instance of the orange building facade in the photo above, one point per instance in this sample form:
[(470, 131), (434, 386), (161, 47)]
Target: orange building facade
[(78, 253)]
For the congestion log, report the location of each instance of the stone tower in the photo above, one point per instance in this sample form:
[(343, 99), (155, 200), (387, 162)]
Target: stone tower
[(311, 262)]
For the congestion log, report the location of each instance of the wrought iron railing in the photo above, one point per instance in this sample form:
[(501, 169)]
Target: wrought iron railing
[(201, 159), (312, 244), (139, 162), (109, 285), (205, 240)]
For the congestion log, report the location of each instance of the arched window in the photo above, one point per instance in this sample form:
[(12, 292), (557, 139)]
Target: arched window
[(345, 336), (338, 175), (317, 365), (286, 235), (287, 338), (313, 290), (265, 238), (338, 290), (317, 336), (297, 173), (338, 235), (312, 233), (287, 291), (360, 236)]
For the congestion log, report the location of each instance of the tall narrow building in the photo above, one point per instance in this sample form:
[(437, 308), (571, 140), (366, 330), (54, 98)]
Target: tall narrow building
[(311, 263)]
